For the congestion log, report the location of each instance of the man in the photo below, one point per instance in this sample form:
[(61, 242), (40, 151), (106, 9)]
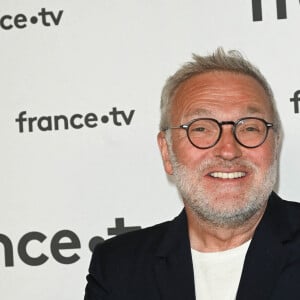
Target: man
[(220, 137)]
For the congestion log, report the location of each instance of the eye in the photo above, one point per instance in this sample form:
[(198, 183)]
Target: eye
[(251, 128), (199, 129)]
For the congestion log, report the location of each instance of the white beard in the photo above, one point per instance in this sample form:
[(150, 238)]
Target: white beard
[(202, 202)]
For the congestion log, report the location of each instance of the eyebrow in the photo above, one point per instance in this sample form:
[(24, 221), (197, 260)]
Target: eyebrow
[(198, 113), (253, 109)]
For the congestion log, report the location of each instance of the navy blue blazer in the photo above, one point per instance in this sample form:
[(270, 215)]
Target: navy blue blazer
[(155, 263)]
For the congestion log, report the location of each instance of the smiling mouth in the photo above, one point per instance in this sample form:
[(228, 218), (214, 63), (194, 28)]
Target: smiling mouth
[(229, 175)]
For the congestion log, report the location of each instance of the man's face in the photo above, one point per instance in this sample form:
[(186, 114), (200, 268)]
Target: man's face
[(202, 175)]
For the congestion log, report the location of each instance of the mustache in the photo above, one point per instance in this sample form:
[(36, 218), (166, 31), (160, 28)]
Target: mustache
[(214, 163)]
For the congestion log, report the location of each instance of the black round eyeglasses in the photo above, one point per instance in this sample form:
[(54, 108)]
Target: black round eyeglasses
[(204, 133)]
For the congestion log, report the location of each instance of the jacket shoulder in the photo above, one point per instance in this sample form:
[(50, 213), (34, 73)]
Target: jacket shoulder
[(141, 240), (287, 212), (124, 260)]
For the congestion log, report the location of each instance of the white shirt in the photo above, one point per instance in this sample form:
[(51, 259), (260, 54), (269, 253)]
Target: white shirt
[(217, 274)]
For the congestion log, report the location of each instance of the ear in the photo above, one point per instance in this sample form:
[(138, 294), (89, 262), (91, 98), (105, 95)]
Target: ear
[(163, 146)]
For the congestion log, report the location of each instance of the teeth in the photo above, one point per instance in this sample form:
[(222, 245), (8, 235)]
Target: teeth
[(232, 175)]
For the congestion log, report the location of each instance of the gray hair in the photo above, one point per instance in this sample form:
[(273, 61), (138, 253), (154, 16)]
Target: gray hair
[(232, 61)]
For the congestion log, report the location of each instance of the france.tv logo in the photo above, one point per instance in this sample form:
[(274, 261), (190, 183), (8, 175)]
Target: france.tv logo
[(43, 17)]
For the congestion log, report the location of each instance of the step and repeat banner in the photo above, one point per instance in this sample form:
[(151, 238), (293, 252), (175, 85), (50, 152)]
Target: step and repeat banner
[(80, 85)]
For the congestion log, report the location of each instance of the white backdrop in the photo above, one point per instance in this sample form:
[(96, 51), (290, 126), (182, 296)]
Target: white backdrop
[(109, 59)]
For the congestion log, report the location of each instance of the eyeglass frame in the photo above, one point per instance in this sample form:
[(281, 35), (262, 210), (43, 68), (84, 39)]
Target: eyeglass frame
[(234, 124)]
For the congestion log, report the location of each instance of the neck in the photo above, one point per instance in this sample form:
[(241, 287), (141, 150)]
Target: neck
[(207, 237)]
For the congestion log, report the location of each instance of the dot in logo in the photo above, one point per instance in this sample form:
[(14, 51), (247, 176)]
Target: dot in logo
[(33, 20), (104, 119)]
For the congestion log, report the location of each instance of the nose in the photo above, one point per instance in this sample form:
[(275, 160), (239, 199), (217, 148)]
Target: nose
[(227, 147)]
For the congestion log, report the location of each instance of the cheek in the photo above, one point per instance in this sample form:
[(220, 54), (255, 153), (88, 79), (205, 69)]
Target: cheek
[(187, 154), (262, 157)]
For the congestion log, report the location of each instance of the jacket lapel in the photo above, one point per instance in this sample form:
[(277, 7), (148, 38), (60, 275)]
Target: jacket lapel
[(174, 268), (266, 255)]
